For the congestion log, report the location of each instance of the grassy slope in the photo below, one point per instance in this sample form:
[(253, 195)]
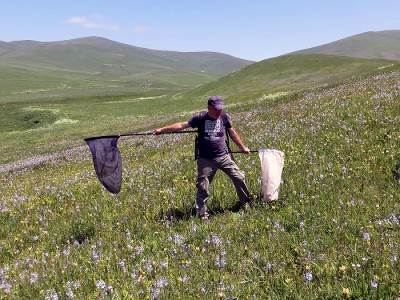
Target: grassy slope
[(286, 73), (81, 116), (335, 234), (377, 45)]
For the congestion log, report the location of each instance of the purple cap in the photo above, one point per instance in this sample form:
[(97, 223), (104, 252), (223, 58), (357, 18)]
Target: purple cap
[(216, 101)]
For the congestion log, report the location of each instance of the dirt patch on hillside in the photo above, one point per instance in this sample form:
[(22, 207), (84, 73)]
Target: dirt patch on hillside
[(41, 159)]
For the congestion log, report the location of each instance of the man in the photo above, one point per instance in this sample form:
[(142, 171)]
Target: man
[(213, 153)]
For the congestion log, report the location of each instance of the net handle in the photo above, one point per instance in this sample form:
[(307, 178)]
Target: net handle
[(134, 134), (251, 151), (151, 132), (173, 132)]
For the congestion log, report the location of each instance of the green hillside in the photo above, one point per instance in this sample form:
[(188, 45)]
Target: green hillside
[(92, 65), (372, 45), (286, 73)]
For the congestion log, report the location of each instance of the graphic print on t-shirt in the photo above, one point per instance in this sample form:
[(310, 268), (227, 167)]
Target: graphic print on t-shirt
[(212, 129)]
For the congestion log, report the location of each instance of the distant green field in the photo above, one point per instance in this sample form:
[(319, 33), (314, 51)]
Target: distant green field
[(25, 84)]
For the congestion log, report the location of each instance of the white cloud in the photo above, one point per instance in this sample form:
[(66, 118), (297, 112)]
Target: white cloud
[(87, 23)]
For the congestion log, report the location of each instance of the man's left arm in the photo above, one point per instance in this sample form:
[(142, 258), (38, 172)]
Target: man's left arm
[(238, 141)]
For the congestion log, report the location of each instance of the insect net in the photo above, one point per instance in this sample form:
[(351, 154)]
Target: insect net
[(107, 161), (271, 165)]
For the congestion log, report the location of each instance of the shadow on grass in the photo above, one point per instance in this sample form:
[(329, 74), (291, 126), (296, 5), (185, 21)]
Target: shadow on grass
[(177, 214)]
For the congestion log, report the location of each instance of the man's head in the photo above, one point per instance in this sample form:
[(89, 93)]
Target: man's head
[(216, 102)]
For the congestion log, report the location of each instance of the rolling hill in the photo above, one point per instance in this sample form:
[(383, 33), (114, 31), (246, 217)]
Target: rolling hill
[(98, 66), (97, 63), (325, 64), (284, 74), (371, 45)]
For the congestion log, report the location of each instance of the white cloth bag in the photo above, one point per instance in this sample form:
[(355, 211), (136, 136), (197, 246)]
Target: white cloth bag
[(271, 165)]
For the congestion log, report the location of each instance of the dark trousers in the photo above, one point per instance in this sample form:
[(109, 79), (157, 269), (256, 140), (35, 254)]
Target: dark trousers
[(206, 172)]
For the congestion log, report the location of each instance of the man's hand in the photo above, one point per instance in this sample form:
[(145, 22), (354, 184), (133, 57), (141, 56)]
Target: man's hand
[(246, 150), (157, 131), (172, 128), (236, 138)]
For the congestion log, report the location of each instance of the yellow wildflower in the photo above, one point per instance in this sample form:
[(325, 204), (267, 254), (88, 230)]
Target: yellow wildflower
[(347, 292)]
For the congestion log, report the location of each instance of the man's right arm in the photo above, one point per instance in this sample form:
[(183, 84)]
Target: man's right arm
[(172, 128)]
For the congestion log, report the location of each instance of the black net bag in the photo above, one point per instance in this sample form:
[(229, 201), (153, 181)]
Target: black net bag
[(107, 161)]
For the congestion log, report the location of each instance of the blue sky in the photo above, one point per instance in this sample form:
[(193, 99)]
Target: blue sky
[(253, 29)]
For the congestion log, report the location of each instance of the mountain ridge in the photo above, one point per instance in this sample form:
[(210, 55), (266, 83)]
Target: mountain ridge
[(371, 45), (97, 65), (193, 61)]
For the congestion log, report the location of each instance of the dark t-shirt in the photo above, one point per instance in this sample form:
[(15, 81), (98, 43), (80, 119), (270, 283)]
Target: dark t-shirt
[(212, 134)]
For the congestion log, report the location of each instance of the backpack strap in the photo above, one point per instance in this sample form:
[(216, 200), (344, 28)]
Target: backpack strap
[(196, 146), (227, 138), (196, 139), (228, 147)]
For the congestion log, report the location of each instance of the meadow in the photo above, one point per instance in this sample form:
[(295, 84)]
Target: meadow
[(52, 112), (333, 234)]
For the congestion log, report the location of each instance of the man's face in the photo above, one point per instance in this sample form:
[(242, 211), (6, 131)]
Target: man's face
[(213, 112)]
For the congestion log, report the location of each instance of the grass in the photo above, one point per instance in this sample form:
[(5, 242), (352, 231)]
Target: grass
[(333, 235)]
